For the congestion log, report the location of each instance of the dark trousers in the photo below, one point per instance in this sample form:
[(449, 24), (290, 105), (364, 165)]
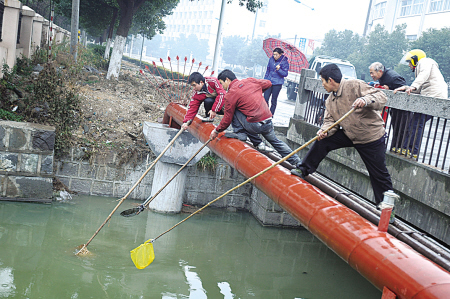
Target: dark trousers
[(208, 104), (274, 90), (399, 121), (252, 130), (414, 132), (373, 155)]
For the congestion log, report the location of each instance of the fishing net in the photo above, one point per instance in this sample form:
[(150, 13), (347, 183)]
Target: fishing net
[(143, 255)]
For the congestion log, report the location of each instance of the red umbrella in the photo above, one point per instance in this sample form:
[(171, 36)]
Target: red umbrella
[(296, 58)]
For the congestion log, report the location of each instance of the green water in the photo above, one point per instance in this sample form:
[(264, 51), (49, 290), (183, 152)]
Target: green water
[(216, 254)]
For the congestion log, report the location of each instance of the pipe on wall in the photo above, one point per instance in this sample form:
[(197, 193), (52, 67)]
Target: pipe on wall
[(379, 257)]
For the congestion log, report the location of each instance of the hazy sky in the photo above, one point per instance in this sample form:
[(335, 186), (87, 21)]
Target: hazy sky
[(290, 18)]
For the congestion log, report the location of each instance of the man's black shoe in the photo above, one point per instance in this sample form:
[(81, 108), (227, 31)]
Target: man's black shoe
[(241, 136), (298, 172)]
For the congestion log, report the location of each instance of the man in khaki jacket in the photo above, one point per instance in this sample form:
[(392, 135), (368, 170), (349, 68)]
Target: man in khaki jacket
[(429, 82), (363, 129)]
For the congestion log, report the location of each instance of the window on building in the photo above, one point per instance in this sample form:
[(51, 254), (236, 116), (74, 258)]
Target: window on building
[(262, 24), (411, 37), (379, 10), (411, 7), (2, 10), (439, 5)]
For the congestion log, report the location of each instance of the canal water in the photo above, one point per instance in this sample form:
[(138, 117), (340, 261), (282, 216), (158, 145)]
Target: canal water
[(216, 254)]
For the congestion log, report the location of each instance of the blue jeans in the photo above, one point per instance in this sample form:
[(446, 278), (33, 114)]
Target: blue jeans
[(252, 130), (275, 91)]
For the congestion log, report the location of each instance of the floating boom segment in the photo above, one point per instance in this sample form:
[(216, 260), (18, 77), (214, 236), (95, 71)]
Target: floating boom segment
[(379, 257)]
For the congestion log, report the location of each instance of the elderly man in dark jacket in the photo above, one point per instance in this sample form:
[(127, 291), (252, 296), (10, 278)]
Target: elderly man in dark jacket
[(390, 79)]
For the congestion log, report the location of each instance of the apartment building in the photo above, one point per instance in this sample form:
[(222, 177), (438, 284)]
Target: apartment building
[(418, 15), (202, 19)]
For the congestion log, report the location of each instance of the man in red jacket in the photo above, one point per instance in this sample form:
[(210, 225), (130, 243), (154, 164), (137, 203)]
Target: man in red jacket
[(247, 111), (207, 91)]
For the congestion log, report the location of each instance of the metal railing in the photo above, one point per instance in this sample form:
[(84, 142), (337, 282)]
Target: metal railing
[(413, 135)]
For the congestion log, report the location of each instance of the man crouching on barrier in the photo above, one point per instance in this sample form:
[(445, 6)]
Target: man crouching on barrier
[(247, 111)]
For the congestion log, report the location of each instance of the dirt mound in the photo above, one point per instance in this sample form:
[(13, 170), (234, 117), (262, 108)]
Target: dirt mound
[(114, 111)]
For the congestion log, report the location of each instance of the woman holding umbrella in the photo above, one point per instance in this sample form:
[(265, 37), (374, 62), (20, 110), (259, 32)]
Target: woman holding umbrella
[(277, 69)]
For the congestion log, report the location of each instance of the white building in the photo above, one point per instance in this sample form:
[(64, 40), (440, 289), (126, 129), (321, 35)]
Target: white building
[(202, 19), (418, 15)]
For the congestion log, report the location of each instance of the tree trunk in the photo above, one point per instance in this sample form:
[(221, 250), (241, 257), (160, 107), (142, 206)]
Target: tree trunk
[(108, 46), (131, 45), (110, 33), (126, 18)]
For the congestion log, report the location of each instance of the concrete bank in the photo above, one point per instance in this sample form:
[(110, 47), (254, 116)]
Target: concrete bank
[(104, 177), (26, 161)]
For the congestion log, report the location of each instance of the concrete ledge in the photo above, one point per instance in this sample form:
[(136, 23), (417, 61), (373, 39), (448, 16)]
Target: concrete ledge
[(269, 213), (26, 161), (13, 4), (26, 187), (27, 11)]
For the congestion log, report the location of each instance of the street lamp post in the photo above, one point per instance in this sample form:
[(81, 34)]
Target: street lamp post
[(218, 38), (304, 4)]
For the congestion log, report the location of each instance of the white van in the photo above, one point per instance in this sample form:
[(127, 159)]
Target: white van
[(316, 64)]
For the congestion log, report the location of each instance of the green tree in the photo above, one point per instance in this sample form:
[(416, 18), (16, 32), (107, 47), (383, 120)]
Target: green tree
[(341, 44), (185, 46), (95, 15), (230, 49), (380, 45), (386, 47), (253, 54), (43, 7), (435, 43), (154, 47), (152, 13)]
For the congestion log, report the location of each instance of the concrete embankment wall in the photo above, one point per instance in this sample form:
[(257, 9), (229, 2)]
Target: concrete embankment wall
[(102, 176), (26, 161)]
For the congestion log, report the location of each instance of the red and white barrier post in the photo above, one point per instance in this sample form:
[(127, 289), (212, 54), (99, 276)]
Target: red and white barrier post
[(386, 207)]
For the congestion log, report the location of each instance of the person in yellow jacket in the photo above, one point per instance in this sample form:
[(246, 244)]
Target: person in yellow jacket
[(429, 82)]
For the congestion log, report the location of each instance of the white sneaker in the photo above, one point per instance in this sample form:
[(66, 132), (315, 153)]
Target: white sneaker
[(264, 148)]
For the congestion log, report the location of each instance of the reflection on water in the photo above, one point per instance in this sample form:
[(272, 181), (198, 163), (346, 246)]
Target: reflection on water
[(216, 254)]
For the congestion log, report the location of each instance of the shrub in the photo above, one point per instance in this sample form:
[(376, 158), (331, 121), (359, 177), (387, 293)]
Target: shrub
[(7, 115)]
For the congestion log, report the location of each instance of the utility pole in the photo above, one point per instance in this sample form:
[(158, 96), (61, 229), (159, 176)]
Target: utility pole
[(74, 28), (142, 49), (367, 19), (219, 38), (254, 23)]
